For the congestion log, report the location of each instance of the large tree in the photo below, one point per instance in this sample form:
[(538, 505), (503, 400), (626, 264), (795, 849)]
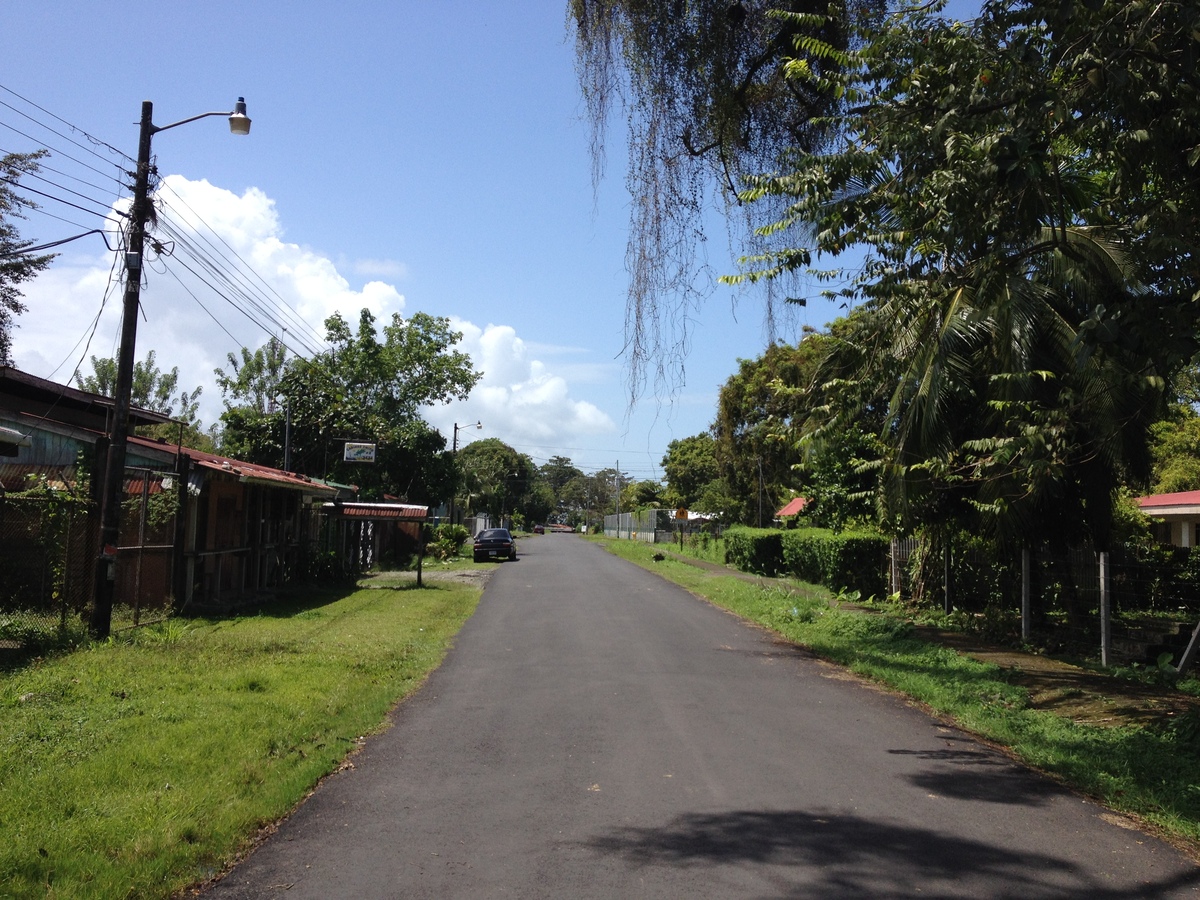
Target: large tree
[(690, 466), (497, 479), (17, 264), (754, 445), (702, 88), (367, 386), (1026, 190), (151, 389), (155, 390)]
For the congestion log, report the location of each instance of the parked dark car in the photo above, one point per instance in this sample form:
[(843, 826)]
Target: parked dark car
[(539, 529), (494, 543)]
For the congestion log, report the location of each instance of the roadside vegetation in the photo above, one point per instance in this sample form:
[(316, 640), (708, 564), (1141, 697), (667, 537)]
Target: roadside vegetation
[(1148, 770), (138, 766)]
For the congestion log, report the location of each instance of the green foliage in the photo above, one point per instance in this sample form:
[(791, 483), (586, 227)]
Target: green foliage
[(698, 88), (758, 550), (1023, 189), (752, 447), (369, 386), (1176, 452), (448, 540), (690, 466), (253, 379), (495, 477), (16, 264), (154, 390), (140, 766), (839, 561)]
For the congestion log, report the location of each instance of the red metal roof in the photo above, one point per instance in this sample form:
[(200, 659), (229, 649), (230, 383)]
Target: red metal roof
[(377, 510), (1182, 498), (243, 471), (794, 507)]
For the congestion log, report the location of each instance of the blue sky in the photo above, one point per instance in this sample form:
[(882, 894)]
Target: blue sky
[(405, 156)]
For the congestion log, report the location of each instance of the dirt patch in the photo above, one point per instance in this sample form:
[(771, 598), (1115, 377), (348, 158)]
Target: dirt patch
[(1073, 692), (476, 577)]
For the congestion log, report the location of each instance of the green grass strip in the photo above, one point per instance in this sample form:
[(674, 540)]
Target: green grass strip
[(1150, 773), (137, 767)]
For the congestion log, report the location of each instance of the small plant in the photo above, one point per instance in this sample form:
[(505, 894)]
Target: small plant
[(447, 541)]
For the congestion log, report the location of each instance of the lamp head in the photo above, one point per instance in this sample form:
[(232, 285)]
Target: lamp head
[(239, 122)]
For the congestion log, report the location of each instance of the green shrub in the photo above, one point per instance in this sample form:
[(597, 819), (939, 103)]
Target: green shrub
[(843, 561), (757, 550), (447, 542)]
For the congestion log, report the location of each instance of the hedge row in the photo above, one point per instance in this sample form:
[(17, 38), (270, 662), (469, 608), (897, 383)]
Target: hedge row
[(842, 562)]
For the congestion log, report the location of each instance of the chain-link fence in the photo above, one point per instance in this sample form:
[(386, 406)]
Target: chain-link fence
[(48, 556), (46, 550), (1153, 593), (146, 547)]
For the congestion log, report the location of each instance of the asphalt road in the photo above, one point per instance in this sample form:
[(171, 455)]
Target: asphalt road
[(598, 732)]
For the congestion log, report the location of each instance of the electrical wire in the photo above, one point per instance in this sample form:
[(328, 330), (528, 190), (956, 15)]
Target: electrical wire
[(27, 250), (63, 154), (195, 247), (227, 286), (75, 128), (298, 322), (25, 187)]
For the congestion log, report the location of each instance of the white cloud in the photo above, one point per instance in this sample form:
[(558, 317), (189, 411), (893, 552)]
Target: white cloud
[(379, 268), (522, 400), (519, 399)]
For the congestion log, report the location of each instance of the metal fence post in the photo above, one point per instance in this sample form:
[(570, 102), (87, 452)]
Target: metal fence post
[(1105, 610)]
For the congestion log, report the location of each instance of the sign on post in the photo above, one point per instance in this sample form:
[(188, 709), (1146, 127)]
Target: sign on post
[(359, 452)]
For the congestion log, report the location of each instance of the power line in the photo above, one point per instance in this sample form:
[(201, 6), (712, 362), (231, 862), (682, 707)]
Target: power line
[(295, 318), (25, 187), (54, 151), (75, 128)]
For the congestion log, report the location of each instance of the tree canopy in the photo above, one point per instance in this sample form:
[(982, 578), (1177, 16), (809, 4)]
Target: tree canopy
[(1025, 188), (366, 386), (706, 102), (17, 264)]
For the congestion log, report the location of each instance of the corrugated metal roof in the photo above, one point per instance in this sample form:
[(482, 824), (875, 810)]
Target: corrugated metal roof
[(376, 510), (1182, 498), (243, 471), (794, 507)]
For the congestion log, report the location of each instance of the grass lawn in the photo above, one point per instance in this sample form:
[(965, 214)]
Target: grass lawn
[(139, 766), (1151, 772)]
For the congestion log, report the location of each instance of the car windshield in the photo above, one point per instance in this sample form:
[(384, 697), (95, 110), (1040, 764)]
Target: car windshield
[(493, 534)]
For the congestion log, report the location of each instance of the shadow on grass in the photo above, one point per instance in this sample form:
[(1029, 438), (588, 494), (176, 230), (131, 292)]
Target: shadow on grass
[(846, 856), (296, 601)]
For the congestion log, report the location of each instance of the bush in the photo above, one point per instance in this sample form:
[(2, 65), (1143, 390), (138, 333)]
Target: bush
[(447, 541), (758, 550), (841, 562)]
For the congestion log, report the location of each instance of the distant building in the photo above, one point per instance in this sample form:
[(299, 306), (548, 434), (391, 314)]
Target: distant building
[(1176, 516)]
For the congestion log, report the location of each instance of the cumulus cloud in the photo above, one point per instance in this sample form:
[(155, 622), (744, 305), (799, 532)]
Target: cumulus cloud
[(518, 398), (193, 318)]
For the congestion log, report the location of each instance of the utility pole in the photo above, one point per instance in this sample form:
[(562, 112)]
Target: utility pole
[(114, 469)]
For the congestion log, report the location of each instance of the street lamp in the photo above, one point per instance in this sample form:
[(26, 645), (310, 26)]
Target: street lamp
[(114, 470), (458, 428), (454, 452)]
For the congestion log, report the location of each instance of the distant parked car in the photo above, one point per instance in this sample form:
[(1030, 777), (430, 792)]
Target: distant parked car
[(539, 529), (494, 543)]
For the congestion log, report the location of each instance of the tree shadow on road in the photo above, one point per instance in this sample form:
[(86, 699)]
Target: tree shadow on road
[(845, 856)]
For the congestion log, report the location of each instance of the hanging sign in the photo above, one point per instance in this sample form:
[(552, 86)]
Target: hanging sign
[(358, 452)]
